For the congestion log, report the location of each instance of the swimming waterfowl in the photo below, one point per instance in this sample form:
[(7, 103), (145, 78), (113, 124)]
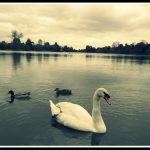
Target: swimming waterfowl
[(76, 117), (63, 92), (19, 95)]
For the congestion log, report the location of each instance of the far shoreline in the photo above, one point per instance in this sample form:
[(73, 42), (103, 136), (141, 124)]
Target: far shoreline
[(80, 52)]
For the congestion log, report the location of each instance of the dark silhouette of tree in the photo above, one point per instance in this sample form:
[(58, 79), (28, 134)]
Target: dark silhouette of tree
[(90, 49), (56, 47), (39, 46), (16, 35), (40, 42), (115, 44), (29, 44), (16, 42), (141, 47), (3, 45), (47, 46), (68, 49)]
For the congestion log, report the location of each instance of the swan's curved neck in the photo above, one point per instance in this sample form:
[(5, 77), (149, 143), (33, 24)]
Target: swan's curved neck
[(96, 114), (96, 104)]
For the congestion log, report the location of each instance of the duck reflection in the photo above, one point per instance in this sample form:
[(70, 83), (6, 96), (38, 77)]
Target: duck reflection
[(96, 138), (11, 100)]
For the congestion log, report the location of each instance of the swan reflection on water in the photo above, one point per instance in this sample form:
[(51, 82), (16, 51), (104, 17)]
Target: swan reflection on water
[(96, 138)]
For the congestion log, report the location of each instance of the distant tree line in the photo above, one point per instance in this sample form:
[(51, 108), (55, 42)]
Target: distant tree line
[(141, 48), (29, 45)]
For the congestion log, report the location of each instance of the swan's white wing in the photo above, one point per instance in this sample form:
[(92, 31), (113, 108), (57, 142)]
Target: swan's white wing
[(74, 110)]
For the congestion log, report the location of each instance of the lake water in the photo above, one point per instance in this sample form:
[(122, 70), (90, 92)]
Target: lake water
[(28, 122)]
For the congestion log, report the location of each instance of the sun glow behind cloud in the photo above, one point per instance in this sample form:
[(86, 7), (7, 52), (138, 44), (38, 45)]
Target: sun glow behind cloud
[(77, 24)]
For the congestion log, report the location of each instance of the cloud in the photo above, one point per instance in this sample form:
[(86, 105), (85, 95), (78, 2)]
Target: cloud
[(76, 24)]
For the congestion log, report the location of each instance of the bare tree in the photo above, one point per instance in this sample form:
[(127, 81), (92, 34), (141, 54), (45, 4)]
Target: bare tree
[(16, 35)]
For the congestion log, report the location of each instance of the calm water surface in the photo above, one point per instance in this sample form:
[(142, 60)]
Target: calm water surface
[(28, 122)]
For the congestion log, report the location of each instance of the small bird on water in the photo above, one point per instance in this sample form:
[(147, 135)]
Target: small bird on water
[(19, 95), (63, 92)]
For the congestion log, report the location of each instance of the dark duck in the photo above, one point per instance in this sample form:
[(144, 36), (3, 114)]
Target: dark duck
[(25, 95), (63, 92)]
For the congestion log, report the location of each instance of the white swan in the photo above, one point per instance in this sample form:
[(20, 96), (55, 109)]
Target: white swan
[(76, 117)]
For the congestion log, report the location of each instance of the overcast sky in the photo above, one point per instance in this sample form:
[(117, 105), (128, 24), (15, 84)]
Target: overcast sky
[(77, 24)]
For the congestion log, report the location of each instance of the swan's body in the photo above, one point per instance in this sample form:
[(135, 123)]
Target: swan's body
[(76, 117)]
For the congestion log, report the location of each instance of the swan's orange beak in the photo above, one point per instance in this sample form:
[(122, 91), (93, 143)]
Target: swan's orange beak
[(108, 100)]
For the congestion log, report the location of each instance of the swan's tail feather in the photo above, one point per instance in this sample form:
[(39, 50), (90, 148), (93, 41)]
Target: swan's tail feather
[(54, 109)]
